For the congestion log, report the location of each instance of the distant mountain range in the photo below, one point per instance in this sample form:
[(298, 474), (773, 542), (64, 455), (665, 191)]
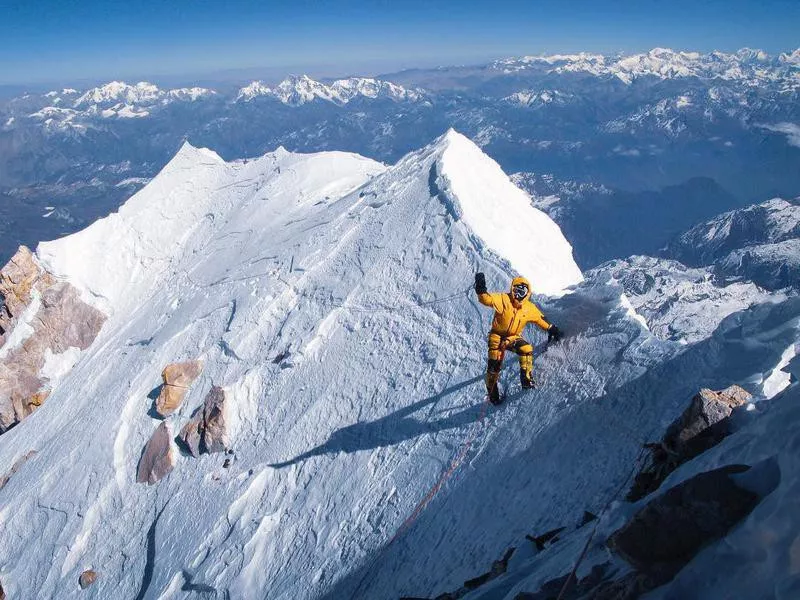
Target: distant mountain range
[(630, 125)]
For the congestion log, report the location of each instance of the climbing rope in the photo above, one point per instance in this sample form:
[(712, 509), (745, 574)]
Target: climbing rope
[(637, 464), (454, 465), (588, 543), (457, 461), (372, 309)]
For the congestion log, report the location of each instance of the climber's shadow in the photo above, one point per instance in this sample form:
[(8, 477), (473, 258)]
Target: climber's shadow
[(394, 428)]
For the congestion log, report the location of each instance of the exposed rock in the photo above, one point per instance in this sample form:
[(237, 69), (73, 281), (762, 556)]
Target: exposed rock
[(207, 431), (673, 527), (16, 467), (498, 568), (87, 578), (62, 321), (707, 408), (178, 377), (703, 425), (541, 541), (2, 592), (632, 585), (17, 279), (157, 458)]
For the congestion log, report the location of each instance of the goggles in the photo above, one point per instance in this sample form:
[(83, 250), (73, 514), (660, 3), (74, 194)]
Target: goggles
[(520, 291)]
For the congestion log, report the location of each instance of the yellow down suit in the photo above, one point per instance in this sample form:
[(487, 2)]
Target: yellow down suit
[(510, 318)]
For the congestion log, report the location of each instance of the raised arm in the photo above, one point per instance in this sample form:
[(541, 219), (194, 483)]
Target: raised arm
[(484, 297)]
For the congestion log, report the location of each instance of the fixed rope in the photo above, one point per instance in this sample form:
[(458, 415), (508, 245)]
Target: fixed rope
[(454, 465), (588, 543), (457, 461), (630, 433)]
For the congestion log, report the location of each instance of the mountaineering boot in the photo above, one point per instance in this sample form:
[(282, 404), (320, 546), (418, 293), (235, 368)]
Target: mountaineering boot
[(527, 382), (526, 372), (492, 377)]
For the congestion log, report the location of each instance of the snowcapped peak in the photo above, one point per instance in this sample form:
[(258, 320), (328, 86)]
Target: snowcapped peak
[(119, 91), (300, 89), (252, 90), (665, 63), (478, 192), (189, 158), (792, 58), (190, 94), (752, 54)]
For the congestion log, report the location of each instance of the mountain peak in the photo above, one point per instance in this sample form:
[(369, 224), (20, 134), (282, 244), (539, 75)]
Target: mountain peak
[(296, 90), (477, 191)]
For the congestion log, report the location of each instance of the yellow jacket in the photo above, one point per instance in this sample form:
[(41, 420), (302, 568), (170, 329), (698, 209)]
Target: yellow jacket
[(511, 316)]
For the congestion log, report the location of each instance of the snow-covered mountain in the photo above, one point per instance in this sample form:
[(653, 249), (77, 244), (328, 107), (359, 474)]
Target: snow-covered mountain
[(646, 139), (760, 243), (753, 66), (333, 435), (140, 94), (298, 90)]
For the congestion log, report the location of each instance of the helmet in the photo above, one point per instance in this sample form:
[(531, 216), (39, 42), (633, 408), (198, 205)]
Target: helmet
[(520, 289)]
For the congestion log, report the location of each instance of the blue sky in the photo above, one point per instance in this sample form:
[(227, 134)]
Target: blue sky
[(62, 40)]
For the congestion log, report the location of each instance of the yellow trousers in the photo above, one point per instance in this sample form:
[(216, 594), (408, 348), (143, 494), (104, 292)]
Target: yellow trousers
[(497, 346)]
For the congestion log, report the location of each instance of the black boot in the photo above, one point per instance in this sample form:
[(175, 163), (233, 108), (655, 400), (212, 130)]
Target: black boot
[(526, 380)]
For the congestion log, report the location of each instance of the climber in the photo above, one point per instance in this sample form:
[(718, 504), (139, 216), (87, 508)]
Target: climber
[(512, 312)]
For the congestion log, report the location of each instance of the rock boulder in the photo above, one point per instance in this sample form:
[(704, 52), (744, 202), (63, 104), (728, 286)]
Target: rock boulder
[(87, 578), (208, 430), (703, 425), (178, 377), (705, 410), (673, 527), (158, 458), (62, 321)]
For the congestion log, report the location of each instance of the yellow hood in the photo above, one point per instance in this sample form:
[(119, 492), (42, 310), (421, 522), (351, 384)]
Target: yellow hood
[(517, 281)]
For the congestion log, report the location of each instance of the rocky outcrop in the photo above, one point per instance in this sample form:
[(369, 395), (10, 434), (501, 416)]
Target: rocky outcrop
[(57, 320), (158, 458), (17, 279), (208, 429), (87, 578), (178, 377), (706, 409), (667, 533), (703, 425)]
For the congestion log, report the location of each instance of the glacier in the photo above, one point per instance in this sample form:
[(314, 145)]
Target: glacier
[(330, 296)]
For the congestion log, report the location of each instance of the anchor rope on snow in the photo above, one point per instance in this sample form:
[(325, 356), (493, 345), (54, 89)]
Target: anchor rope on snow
[(443, 478), (630, 433)]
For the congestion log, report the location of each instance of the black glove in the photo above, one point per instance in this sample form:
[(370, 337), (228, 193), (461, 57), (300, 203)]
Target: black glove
[(480, 283), (554, 334)]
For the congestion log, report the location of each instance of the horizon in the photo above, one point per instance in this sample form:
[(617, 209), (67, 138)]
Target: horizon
[(234, 77), (93, 41)]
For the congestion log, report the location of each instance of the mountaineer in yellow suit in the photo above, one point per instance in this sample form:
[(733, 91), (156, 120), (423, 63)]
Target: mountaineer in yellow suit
[(512, 312)]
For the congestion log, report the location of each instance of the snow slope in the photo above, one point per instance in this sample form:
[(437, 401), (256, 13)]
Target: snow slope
[(330, 296)]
